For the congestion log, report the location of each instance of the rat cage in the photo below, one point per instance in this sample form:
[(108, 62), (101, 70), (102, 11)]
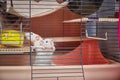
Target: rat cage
[(59, 40)]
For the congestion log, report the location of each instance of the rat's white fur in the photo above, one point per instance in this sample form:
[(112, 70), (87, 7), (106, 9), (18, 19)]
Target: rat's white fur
[(44, 48)]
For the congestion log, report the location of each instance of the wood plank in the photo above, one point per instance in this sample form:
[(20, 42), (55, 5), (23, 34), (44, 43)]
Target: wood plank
[(86, 19), (15, 50), (70, 39), (65, 39)]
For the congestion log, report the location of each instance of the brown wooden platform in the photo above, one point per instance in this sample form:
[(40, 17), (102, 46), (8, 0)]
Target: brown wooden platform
[(21, 49), (70, 39)]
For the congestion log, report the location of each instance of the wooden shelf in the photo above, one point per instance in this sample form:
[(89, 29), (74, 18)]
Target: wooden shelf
[(70, 39), (17, 50), (64, 39), (86, 19)]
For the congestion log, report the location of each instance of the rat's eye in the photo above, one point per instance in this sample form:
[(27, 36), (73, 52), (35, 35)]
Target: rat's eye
[(46, 41)]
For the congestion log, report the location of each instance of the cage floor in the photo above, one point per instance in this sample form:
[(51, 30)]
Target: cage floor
[(92, 72)]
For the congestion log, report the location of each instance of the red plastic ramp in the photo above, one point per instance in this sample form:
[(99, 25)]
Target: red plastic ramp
[(88, 50)]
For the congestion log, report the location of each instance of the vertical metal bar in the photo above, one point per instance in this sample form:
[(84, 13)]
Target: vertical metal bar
[(0, 31), (11, 3), (63, 30), (81, 36), (57, 78), (1, 25), (118, 23), (30, 5), (21, 29)]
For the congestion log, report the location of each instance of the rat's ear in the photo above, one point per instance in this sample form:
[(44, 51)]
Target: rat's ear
[(52, 43)]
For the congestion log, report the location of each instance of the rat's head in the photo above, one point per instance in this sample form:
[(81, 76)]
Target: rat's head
[(48, 43), (32, 36)]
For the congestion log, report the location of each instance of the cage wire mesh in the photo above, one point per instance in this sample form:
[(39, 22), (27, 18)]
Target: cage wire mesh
[(60, 35), (12, 31), (13, 46)]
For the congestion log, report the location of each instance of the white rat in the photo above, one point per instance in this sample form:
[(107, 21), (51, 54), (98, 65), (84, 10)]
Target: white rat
[(44, 48)]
